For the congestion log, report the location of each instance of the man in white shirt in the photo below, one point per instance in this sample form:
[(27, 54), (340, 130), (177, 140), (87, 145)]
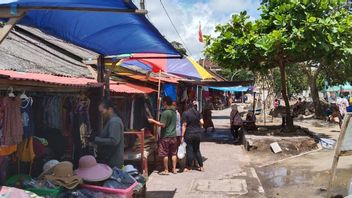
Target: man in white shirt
[(342, 103)]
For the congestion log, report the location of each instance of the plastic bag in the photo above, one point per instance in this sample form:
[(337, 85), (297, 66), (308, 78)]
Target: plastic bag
[(181, 153)]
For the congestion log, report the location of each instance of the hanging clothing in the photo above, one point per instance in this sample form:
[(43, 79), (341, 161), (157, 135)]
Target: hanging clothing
[(7, 150), (4, 161), (67, 116), (27, 120), (82, 110), (25, 151), (12, 129), (2, 117)]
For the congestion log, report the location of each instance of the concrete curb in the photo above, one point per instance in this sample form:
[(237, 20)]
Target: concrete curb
[(255, 175)]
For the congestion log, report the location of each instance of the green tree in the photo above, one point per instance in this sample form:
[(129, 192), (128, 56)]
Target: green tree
[(179, 47), (289, 32), (239, 74), (297, 81)]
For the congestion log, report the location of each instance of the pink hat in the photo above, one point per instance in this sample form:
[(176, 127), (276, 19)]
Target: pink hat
[(89, 170)]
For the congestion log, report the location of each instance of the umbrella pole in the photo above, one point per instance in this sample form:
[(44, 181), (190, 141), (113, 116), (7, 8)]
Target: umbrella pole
[(157, 129), (159, 101)]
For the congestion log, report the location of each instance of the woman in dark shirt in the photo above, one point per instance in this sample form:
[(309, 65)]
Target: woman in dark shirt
[(192, 124)]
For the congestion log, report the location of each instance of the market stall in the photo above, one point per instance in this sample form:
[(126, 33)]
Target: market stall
[(46, 117)]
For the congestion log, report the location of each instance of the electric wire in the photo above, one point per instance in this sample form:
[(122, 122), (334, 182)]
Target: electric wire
[(173, 25)]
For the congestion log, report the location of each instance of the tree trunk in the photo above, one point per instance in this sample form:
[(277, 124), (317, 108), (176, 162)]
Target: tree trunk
[(315, 96), (312, 80), (289, 120)]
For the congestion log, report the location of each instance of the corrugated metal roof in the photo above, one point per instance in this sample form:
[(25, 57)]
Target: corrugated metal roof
[(25, 54), (50, 79), (116, 87)]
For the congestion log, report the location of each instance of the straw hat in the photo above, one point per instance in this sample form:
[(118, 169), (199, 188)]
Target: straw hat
[(89, 170), (63, 175), (48, 168)]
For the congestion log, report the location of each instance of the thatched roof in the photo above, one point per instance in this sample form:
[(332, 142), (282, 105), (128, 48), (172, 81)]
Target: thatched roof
[(29, 50)]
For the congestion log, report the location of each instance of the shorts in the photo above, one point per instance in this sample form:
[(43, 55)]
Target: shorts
[(168, 146)]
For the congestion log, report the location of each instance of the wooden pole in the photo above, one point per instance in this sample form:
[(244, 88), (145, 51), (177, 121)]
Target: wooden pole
[(4, 31), (254, 103), (5, 12), (345, 123), (159, 94), (108, 75)]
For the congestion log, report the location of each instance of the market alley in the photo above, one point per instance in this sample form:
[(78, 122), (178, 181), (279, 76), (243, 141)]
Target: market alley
[(227, 173)]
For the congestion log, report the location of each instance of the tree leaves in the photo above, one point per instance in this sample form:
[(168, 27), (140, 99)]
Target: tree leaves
[(291, 30)]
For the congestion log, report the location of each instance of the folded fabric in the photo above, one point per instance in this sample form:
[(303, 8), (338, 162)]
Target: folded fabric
[(15, 192), (7, 150), (119, 180), (25, 151)]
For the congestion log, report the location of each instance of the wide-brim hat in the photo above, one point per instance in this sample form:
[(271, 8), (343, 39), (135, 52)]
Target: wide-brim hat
[(63, 175), (90, 171), (48, 168)]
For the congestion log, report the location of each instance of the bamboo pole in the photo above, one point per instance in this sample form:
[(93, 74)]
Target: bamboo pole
[(345, 123), (159, 94)]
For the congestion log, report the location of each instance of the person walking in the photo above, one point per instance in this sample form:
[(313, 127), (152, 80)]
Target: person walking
[(168, 139), (192, 126), (236, 122)]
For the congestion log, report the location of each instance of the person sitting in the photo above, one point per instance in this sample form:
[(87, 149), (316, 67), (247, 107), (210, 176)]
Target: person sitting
[(235, 122), (249, 124)]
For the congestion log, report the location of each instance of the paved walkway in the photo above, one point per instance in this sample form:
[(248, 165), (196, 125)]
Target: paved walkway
[(226, 170)]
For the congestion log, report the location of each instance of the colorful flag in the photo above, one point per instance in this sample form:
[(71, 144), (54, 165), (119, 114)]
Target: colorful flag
[(200, 34)]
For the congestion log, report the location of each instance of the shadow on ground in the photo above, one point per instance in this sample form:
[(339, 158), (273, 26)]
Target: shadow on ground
[(161, 194), (220, 136)]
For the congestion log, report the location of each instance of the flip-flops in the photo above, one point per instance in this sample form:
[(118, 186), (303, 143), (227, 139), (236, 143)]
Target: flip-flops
[(164, 173)]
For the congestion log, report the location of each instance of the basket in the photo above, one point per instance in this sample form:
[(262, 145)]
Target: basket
[(123, 193)]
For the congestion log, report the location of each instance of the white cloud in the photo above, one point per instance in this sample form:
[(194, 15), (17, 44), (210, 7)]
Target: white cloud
[(186, 16)]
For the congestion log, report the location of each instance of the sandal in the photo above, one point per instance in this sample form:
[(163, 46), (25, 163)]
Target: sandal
[(201, 169), (164, 173), (186, 170), (174, 171)]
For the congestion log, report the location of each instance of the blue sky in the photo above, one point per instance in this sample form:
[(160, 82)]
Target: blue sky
[(187, 14)]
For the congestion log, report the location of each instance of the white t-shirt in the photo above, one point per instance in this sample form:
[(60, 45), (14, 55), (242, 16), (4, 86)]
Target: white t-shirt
[(343, 104), (178, 124)]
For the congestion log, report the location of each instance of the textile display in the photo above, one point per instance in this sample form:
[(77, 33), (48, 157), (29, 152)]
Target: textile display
[(12, 134)]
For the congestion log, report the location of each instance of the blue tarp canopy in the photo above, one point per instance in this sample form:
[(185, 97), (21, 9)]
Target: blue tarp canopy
[(107, 33), (231, 89)]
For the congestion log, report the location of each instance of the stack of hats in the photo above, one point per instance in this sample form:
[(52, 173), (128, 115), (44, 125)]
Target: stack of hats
[(61, 174)]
